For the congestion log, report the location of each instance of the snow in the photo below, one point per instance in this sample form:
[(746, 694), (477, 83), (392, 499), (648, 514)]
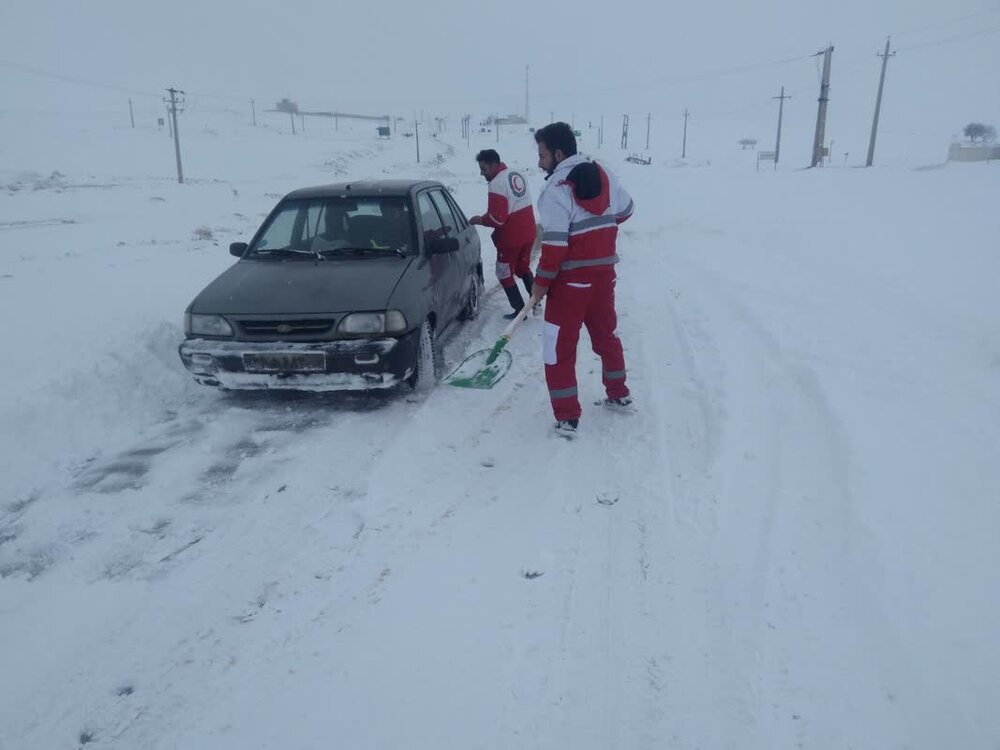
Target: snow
[(790, 543)]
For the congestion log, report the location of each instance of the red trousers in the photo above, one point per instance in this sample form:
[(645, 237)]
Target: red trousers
[(569, 306), (513, 262)]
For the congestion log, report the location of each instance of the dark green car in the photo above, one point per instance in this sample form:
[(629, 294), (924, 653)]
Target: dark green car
[(343, 287)]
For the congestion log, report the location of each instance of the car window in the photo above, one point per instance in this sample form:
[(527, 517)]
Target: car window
[(278, 232), (451, 224), (338, 225), (430, 221), (462, 221), (314, 215)]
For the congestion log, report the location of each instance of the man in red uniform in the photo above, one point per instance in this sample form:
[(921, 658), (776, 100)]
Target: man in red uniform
[(511, 215), (580, 209)]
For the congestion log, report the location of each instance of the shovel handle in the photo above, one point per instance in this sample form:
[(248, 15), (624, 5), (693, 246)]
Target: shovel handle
[(515, 323)]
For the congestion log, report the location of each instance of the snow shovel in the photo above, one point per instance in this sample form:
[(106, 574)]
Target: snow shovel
[(485, 368)]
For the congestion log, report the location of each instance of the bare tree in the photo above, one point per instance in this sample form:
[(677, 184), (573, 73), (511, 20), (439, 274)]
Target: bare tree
[(747, 142), (978, 131)]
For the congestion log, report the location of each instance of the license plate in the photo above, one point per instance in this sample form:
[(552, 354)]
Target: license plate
[(285, 362)]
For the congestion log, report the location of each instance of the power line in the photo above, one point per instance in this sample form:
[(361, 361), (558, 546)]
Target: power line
[(948, 40), (72, 79), (954, 22), (680, 78), (659, 81)]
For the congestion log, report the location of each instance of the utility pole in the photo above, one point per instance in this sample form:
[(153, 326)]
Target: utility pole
[(878, 102), (291, 116), (131, 115), (253, 112), (170, 125), (174, 102), (824, 100), (624, 132), (649, 117), (527, 116), (684, 146), (496, 123), (416, 129), (600, 133), (781, 108)]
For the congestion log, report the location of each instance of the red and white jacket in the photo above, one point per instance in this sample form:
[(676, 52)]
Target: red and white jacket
[(510, 212), (579, 234)]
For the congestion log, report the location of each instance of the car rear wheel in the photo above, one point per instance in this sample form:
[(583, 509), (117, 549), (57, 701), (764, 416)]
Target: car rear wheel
[(471, 309), (426, 362)]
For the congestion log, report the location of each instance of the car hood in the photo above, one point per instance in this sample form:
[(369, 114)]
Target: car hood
[(296, 287)]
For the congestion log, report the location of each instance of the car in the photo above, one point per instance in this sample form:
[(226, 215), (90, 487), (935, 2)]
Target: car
[(348, 286)]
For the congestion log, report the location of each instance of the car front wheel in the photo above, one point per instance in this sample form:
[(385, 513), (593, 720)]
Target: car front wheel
[(426, 362), (471, 309)]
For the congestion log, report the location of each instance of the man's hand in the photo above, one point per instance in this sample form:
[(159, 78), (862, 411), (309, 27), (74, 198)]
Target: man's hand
[(537, 292), (476, 220)]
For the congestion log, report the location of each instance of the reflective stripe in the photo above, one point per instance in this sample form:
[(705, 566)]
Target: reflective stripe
[(555, 236), (569, 265), (616, 375), (494, 219), (550, 337), (563, 393), (595, 222), (628, 210), (541, 273)]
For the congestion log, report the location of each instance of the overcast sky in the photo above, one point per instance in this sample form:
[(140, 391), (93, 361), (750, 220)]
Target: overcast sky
[(586, 58)]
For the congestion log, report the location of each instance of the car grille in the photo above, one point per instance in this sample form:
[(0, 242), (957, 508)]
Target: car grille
[(286, 327)]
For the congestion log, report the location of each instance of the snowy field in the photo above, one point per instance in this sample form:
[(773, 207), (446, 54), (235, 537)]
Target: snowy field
[(793, 542)]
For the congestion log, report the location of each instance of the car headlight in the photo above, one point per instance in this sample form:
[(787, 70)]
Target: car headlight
[(390, 321), (206, 325)]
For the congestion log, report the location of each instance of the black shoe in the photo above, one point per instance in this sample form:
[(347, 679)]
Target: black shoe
[(510, 315), (567, 425), (626, 403)]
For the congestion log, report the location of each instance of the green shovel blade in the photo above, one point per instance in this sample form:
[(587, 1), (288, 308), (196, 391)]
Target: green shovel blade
[(482, 369)]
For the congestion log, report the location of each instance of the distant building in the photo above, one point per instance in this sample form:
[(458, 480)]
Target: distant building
[(504, 120), (973, 152)]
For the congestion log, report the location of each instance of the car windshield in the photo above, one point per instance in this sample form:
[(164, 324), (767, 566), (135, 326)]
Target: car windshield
[(323, 228)]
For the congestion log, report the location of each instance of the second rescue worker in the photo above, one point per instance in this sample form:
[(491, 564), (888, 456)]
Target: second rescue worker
[(511, 216)]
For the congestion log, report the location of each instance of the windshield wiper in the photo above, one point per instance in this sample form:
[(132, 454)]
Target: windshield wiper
[(287, 251), (359, 249)]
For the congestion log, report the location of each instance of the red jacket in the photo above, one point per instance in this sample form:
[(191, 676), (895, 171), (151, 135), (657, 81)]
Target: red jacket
[(510, 212), (580, 209)]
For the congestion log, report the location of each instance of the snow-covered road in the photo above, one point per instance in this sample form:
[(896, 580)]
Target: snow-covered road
[(790, 543)]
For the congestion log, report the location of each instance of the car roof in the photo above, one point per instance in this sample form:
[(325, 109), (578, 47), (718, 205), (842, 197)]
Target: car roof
[(363, 188)]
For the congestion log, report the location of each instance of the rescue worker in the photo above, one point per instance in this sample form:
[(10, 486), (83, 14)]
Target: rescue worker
[(579, 210), (511, 216)]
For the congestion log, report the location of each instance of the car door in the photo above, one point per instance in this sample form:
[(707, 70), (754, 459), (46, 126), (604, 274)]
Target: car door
[(446, 270), (461, 231), (467, 237)]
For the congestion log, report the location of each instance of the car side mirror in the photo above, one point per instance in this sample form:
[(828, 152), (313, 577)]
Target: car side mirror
[(237, 249), (441, 245)]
